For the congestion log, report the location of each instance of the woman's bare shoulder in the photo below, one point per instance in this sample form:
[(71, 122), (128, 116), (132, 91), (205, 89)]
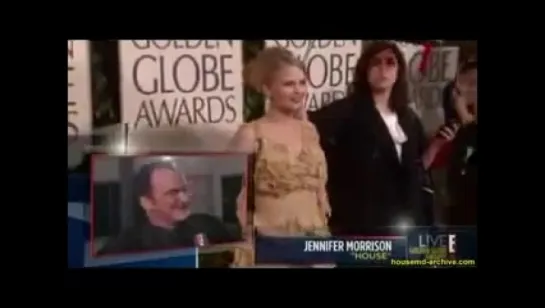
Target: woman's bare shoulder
[(309, 125), (244, 138)]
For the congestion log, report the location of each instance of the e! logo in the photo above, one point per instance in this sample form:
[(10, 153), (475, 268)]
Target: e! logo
[(452, 243)]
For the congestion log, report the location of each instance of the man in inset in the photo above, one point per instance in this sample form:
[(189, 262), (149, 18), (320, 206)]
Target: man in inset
[(163, 195)]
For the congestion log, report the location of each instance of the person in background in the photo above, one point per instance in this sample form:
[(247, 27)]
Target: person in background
[(290, 170), (376, 149), (449, 93), (465, 93), (462, 164), (459, 156), (163, 195)]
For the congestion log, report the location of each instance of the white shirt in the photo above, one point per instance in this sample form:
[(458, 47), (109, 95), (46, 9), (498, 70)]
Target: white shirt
[(395, 130)]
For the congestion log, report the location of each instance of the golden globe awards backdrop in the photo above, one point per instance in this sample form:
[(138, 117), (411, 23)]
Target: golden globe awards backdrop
[(427, 89), (79, 88), (172, 83), (330, 65)]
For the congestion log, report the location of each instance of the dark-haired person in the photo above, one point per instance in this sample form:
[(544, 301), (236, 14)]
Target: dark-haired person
[(460, 156), (163, 195), (465, 73), (375, 148), (465, 93), (462, 164)]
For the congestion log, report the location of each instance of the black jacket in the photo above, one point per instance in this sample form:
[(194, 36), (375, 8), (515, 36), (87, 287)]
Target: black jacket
[(142, 238), (369, 188), (146, 237), (462, 177)]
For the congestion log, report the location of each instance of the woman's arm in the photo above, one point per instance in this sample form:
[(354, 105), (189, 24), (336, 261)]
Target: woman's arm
[(323, 200), (429, 149), (429, 155), (244, 142), (446, 134)]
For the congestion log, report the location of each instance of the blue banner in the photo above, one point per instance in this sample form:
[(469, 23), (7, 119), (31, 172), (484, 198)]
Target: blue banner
[(78, 188), (175, 261), (372, 251), (419, 247)]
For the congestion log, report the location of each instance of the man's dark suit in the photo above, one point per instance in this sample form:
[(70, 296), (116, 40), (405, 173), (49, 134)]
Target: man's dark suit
[(369, 188), (147, 237), (142, 238)]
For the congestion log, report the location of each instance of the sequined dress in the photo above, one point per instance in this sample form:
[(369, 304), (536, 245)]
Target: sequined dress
[(290, 197)]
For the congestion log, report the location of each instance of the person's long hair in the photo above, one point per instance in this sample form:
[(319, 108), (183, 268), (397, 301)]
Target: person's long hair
[(399, 98)]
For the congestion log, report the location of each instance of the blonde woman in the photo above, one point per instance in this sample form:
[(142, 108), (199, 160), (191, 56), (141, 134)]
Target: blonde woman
[(290, 168)]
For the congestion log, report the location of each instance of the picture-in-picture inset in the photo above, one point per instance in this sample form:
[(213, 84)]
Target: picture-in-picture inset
[(150, 203)]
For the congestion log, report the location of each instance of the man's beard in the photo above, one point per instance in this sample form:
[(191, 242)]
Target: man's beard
[(166, 219), (181, 214)]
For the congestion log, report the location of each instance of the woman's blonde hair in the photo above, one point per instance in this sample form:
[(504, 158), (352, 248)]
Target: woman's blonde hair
[(260, 70)]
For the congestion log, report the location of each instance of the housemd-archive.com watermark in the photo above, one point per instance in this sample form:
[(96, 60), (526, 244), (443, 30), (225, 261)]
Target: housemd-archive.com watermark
[(433, 263)]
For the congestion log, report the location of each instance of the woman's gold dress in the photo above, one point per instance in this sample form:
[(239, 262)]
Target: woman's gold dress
[(290, 196)]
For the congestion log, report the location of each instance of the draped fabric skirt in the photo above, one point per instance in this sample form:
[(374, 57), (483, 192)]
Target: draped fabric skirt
[(297, 214)]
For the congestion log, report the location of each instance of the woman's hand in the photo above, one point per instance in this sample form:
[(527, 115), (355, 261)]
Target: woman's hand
[(301, 112), (448, 132), (244, 252), (327, 212), (445, 135)]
